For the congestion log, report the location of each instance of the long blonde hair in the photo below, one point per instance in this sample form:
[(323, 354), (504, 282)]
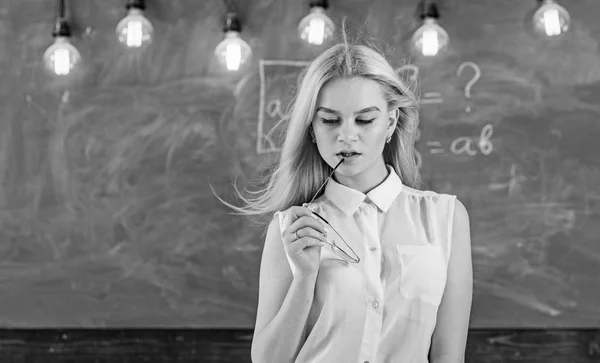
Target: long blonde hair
[(301, 170)]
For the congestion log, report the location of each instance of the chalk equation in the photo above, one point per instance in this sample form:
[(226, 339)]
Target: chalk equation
[(462, 145), (412, 74), (278, 75)]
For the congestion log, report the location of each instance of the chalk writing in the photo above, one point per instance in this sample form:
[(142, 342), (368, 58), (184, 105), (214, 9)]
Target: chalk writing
[(435, 147), (473, 80), (513, 185), (271, 111), (430, 98), (274, 108), (460, 145), (464, 144)]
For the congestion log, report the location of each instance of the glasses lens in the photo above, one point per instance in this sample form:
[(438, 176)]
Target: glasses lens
[(336, 241), (336, 245), (338, 251)]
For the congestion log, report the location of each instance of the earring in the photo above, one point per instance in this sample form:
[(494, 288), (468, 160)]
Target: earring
[(313, 139), (389, 138)]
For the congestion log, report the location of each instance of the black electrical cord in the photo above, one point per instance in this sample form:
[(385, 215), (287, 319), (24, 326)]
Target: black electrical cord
[(61, 26)]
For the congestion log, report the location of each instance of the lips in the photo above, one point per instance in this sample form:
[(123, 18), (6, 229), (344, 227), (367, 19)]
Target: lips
[(347, 153)]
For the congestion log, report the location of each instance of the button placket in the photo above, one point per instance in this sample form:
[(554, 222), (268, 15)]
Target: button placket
[(374, 315), (368, 208)]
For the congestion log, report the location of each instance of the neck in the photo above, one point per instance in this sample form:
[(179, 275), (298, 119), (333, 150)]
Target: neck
[(366, 180)]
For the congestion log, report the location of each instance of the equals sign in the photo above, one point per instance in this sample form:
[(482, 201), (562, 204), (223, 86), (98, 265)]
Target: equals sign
[(432, 97), (437, 147)]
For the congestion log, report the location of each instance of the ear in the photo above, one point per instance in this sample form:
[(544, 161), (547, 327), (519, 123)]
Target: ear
[(393, 116)]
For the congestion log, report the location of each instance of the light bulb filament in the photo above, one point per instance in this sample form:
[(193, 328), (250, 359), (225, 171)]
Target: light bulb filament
[(62, 62), (233, 56), (316, 31), (134, 33), (552, 22), (431, 44)]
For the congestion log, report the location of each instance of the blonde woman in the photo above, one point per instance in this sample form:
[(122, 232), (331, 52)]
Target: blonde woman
[(358, 264)]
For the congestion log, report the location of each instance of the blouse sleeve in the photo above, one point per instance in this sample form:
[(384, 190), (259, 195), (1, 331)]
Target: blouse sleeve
[(447, 213), (283, 224)]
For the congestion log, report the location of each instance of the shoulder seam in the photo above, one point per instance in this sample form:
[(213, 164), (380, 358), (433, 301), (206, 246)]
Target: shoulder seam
[(417, 192)]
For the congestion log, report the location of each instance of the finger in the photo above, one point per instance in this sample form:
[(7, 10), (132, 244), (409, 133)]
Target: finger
[(291, 236), (297, 212), (311, 232), (298, 246), (307, 222)]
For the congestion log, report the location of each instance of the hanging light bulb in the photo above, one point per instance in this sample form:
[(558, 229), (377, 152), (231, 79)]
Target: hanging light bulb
[(233, 52), (430, 39), (316, 28), (551, 19), (135, 30), (61, 57)]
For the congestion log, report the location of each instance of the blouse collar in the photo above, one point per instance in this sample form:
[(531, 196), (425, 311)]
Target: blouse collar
[(349, 200)]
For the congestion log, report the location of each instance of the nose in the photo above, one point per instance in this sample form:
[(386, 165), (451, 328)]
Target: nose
[(347, 133)]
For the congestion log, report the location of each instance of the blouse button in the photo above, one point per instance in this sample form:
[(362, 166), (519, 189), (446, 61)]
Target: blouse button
[(373, 249), (375, 304)]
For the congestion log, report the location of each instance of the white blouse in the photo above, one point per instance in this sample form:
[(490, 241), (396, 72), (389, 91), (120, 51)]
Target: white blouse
[(383, 309)]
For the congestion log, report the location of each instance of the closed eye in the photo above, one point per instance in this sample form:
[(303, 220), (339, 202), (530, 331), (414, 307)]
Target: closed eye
[(333, 121), (366, 122), (329, 121)]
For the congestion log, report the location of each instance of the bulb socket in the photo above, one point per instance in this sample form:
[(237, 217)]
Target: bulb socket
[(429, 9), (320, 3), (232, 23), (61, 28), (135, 4)]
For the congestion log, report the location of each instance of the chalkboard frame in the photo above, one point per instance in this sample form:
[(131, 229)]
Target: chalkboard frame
[(233, 345)]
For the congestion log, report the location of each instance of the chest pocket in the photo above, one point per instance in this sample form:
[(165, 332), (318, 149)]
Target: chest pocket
[(422, 273)]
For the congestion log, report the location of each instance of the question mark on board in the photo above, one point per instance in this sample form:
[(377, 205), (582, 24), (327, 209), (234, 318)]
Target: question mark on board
[(473, 80)]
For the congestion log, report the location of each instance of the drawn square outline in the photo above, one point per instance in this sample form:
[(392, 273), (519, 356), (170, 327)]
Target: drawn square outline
[(260, 135)]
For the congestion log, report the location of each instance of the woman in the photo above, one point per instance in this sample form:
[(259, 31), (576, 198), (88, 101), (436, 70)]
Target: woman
[(371, 269)]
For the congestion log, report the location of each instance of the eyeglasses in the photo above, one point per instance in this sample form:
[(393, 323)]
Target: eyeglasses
[(336, 241)]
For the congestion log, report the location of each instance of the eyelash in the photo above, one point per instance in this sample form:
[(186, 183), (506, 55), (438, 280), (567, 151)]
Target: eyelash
[(331, 121)]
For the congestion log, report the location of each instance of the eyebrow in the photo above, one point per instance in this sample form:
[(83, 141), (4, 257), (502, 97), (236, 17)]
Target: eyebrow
[(364, 110)]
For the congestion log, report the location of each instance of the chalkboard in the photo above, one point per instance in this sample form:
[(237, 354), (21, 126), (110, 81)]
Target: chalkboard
[(107, 216)]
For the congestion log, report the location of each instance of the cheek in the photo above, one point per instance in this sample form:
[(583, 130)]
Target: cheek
[(324, 134), (377, 137), (324, 139)]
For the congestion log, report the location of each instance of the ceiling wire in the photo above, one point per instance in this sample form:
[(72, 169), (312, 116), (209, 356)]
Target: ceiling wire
[(232, 5)]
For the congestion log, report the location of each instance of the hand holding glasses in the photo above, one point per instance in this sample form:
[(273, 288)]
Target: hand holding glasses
[(302, 228), (339, 246)]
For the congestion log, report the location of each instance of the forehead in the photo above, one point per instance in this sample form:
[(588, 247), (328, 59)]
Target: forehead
[(351, 94)]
